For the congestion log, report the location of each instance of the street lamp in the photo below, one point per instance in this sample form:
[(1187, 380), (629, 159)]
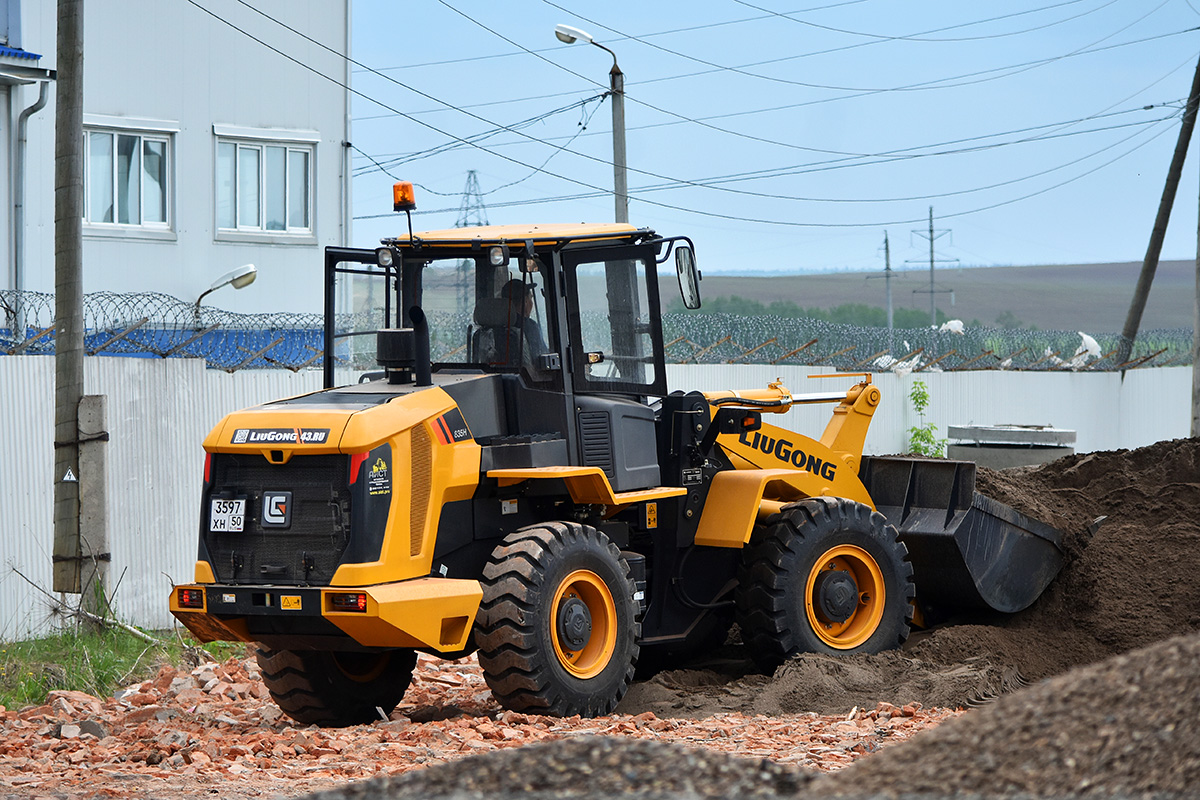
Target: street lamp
[(241, 277), (616, 85)]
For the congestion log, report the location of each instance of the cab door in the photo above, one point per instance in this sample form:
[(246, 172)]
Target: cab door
[(615, 360)]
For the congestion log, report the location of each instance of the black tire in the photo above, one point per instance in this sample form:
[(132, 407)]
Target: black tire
[(556, 629), (811, 582), (336, 689)]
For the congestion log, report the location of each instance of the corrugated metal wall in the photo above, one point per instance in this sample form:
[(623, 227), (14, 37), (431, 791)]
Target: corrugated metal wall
[(160, 410)]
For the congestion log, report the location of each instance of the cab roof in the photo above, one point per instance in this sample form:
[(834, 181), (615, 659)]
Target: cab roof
[(555, 233)]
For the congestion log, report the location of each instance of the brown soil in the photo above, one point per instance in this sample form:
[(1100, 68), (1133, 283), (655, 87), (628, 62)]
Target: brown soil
[(1130, 579)]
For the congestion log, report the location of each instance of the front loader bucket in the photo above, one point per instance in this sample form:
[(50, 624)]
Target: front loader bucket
[(967, 550)]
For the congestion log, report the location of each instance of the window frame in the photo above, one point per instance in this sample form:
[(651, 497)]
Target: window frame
[(260, 141), (570, 261), (145, 131)]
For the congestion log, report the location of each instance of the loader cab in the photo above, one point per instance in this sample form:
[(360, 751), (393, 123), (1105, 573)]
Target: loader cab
[(563, 322)]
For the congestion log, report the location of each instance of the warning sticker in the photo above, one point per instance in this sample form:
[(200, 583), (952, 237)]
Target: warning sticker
[(378, 478)]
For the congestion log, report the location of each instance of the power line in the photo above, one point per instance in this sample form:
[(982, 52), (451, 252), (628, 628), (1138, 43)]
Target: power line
[(774, 79), (790, 223), (687, 29), (680, 119), (764, 140), (707, 26), (919, 37), (423, 94), (715, 182), (701, 212), (397, 160), (944, 82)]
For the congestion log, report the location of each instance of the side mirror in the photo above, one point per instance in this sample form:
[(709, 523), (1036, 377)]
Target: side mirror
[(689, 276)]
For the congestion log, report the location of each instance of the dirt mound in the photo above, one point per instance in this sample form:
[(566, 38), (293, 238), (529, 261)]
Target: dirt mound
[(1121, 727), (825, 684), (1129, 579)]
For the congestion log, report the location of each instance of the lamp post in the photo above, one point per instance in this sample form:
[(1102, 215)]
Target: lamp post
[(240, 278), (616, 87)]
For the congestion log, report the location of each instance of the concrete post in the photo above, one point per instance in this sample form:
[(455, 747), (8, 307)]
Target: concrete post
[(93, 503), (616, 80), (68, 292)]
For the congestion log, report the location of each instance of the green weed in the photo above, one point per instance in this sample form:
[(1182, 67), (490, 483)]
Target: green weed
[(96, 662), (922, 438)]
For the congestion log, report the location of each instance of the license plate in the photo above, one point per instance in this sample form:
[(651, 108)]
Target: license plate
[(227, 516)]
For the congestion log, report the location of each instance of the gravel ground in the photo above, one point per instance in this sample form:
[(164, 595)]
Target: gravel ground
[(590, 766), (1126, 726), (213, 731), (1102, 718)]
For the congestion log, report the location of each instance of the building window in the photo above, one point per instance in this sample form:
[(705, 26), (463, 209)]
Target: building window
[(264, 186), (127, 178)]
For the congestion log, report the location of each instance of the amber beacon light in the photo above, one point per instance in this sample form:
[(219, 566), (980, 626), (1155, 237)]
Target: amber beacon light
[(403, 197)]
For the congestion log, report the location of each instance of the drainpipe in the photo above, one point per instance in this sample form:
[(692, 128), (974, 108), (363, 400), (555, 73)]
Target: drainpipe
[(19, 205)]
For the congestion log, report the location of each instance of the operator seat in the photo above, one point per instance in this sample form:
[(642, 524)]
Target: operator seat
[(497, 341)]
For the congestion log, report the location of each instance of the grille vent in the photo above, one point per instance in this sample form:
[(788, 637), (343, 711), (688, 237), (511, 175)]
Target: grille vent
[(308, 552), (597, 445), (422, 473)]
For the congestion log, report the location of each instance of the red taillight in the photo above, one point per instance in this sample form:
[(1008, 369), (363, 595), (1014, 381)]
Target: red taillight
[(208, 467), (347, 601), (356, 462), (191, 598)]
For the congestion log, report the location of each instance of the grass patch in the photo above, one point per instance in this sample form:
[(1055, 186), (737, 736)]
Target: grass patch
[(95, 662)]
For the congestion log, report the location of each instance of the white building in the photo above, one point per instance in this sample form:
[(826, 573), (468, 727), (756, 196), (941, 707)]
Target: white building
[(215, 135)]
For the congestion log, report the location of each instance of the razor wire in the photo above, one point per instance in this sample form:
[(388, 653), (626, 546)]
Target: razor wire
[(153, 325)]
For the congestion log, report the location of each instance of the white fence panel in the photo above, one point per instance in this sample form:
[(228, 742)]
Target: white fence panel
[(1107, 410), (26, 491), (159, 412)]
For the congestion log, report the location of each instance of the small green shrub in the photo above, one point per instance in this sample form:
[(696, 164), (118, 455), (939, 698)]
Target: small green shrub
[(922, 438)]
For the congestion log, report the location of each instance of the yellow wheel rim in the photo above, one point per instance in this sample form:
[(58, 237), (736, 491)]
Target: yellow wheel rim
[(589, 659), (868, 611)]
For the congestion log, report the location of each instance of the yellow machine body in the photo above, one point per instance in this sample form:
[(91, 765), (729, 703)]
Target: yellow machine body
[(405, 606)]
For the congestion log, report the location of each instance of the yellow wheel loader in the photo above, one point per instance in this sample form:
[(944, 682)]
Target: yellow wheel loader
[(538, 495)]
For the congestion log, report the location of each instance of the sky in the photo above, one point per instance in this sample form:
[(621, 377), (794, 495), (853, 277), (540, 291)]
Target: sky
[(790, 136)]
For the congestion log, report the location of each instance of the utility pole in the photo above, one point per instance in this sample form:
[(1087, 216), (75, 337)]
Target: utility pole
[(68, 293), (1150, 264), (568, 34), (616, 82), (887, 276), (933, 235), (1196, 342)]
